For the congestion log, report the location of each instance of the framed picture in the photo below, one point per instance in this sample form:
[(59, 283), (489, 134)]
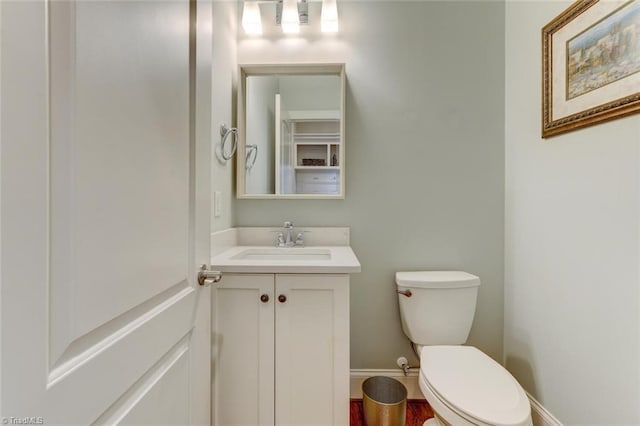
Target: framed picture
[(590, 65)]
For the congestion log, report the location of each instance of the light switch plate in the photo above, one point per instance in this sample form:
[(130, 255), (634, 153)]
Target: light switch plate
[(217, 203)]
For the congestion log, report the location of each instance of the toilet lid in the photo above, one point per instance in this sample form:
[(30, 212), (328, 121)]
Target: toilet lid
[(474, 384)]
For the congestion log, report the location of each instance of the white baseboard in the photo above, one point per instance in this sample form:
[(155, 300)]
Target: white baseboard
[(539, 414)]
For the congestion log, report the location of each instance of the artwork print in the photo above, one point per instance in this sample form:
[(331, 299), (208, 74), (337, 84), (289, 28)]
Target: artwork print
[(606, 52), (590, 65)]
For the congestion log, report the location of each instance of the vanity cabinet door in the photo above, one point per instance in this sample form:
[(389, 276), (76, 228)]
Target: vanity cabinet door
[(312, 349), (243, 350)]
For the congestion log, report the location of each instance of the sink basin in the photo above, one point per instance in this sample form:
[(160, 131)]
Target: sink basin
[(287, 260), (283, 254)]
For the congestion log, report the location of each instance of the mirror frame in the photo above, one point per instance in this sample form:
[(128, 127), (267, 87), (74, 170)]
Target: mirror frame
[(247, 70)]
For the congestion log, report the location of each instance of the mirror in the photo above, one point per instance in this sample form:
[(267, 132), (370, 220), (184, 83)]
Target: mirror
[(291, 131)]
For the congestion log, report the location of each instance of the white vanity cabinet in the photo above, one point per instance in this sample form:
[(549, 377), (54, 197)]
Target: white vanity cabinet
[(281, 349)]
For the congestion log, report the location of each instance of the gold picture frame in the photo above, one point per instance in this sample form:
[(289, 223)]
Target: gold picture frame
[(590, 65)]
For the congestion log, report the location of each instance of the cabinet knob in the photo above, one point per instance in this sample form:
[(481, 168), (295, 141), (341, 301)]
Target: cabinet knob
[(282, 298), (264, 298)]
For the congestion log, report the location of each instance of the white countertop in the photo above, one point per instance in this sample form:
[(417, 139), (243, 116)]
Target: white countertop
[(341, 261)]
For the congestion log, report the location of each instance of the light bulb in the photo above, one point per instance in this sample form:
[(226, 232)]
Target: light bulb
[(329, 16), (251, 20), (290, 20)]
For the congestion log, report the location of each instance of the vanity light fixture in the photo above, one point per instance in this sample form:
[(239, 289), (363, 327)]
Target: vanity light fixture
[(329, 16), (251, 19), (290, 14), (290, 20)]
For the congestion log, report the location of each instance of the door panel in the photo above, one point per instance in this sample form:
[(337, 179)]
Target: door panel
[(122, 115), (159, 397), (102, 320)]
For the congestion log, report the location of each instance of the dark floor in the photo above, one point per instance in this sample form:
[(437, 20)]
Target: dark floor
[(418, 411)]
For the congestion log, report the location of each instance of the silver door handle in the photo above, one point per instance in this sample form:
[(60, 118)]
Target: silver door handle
[(207, 277)]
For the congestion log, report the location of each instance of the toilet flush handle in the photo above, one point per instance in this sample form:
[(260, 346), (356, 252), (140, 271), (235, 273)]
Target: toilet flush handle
[(405, 292)]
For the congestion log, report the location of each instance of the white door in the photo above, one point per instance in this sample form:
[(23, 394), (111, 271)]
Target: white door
[(288, 162), (285, 172), (104, 198)]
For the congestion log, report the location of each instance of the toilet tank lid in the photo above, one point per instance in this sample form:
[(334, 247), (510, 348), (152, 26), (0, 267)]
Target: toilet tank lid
[(436, 279)]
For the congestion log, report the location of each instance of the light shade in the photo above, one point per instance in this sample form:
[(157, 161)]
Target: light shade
[(329, 16), (290, 20), (251, 19)]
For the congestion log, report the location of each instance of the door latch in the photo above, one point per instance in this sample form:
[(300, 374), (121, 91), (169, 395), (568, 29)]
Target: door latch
[(207, 277)]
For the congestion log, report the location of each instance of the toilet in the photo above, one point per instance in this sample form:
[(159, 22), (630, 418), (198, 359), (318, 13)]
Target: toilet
[(462, 384)]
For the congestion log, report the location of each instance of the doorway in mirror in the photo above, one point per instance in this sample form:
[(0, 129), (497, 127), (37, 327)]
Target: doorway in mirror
[(309, 161)]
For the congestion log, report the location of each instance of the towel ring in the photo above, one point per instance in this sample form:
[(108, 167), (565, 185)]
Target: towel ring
[(225, 132), (252, 155)]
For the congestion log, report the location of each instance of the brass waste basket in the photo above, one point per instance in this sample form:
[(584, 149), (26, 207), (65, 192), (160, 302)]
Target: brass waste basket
[(384, 401)]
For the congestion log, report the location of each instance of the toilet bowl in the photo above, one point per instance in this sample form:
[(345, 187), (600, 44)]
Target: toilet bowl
[(462, 384), (466, 387)]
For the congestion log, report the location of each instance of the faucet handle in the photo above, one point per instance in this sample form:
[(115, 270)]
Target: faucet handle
[(300, 238), (280, 240)]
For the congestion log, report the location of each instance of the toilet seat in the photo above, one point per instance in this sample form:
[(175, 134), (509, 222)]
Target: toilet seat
[(474, 386)]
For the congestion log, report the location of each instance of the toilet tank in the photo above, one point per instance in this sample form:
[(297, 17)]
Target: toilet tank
[(440, 308)]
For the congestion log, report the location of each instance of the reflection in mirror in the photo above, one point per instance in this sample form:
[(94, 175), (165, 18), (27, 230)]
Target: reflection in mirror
[(291, 132)]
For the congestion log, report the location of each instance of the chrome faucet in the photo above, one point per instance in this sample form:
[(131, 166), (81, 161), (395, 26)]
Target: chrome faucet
[(285, 239), (288, 227)]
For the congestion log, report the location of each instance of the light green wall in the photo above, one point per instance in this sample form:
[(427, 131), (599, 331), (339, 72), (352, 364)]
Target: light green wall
[(317, 92), (424, 156), (572, 299), (225, 63)]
